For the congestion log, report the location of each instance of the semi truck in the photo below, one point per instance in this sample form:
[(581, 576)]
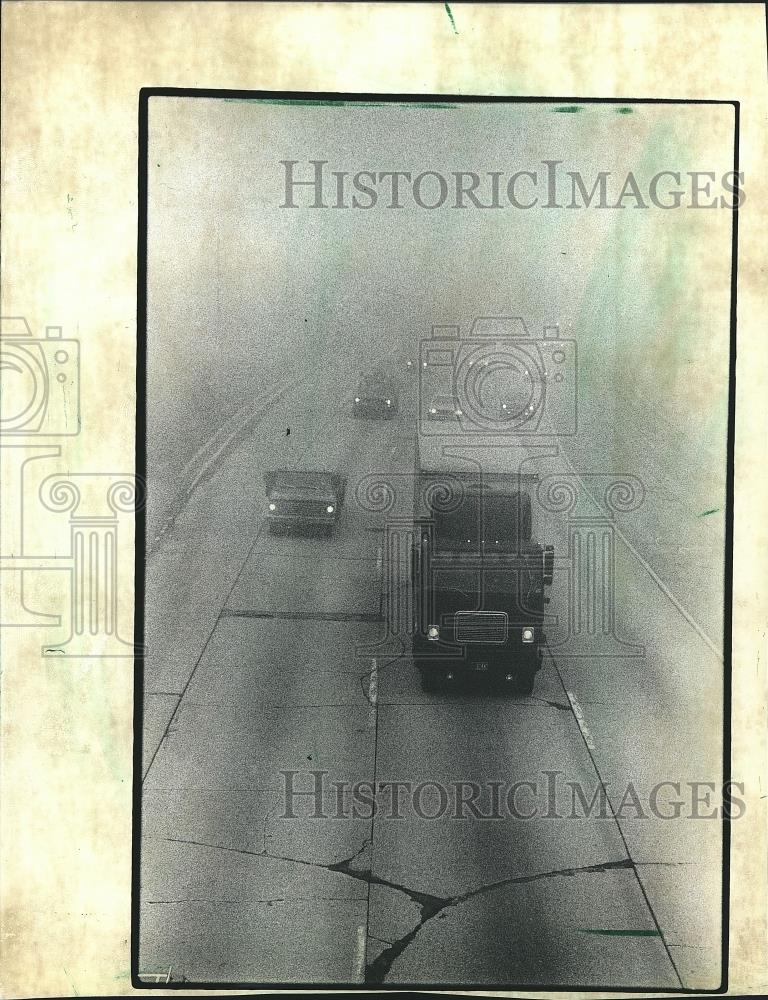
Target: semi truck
[(480, 580)]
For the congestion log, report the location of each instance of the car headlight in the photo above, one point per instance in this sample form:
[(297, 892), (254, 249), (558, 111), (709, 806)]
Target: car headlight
[(432, 410), (357, 399), (458, 413), (527, 635), (388, 402), (330, 508), (433, 632), (272, 506)]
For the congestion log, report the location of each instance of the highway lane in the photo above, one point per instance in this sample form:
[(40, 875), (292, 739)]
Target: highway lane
[(631, 899), (277, 687), (270, 663)]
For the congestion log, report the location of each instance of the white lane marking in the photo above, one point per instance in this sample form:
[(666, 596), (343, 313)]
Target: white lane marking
[(373, 692), (670, 596), (359, 966), (379, 555), (580, 720), (208, 454), (655, 576)]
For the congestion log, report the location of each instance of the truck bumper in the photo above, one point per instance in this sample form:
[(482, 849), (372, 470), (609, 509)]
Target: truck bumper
[(508, 665)]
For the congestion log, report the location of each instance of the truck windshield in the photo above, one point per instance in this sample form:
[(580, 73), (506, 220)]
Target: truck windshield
[(487, 524)]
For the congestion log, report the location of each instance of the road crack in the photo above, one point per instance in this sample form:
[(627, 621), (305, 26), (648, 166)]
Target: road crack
[(429, 905), (377, 970)]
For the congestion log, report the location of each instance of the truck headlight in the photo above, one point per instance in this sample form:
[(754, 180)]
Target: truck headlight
[(330, 508), (272, 507), (527, 635), (433, 633)]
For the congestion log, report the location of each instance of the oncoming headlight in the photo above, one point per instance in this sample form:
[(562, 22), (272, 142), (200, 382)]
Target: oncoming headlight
[(433, 632), (389, 402), (357, 399), (527, 635), (330, 508), (272, 507)]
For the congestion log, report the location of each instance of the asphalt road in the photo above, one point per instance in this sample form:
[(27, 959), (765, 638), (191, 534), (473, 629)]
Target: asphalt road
[(268, 654)]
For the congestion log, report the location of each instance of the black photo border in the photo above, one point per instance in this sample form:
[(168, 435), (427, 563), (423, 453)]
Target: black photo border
[(342, 98)]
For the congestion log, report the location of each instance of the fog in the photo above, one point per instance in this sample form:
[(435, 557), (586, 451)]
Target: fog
[(245, 295)]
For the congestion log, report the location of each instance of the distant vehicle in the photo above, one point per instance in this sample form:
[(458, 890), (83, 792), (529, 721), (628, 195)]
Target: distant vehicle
[(376, 396), (443, 408), (304, 500)]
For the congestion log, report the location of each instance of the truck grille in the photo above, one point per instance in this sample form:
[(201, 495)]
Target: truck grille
[(481, 626)]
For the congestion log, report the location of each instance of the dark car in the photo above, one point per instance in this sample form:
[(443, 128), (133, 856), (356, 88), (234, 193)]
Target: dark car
[(376, 397), (443, 408), (309, 501)]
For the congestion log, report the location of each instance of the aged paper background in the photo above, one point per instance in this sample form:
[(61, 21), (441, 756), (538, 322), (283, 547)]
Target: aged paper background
[(71, 78)]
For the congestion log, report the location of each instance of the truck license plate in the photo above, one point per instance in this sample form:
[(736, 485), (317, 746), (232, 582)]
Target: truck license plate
[(481, 666)]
